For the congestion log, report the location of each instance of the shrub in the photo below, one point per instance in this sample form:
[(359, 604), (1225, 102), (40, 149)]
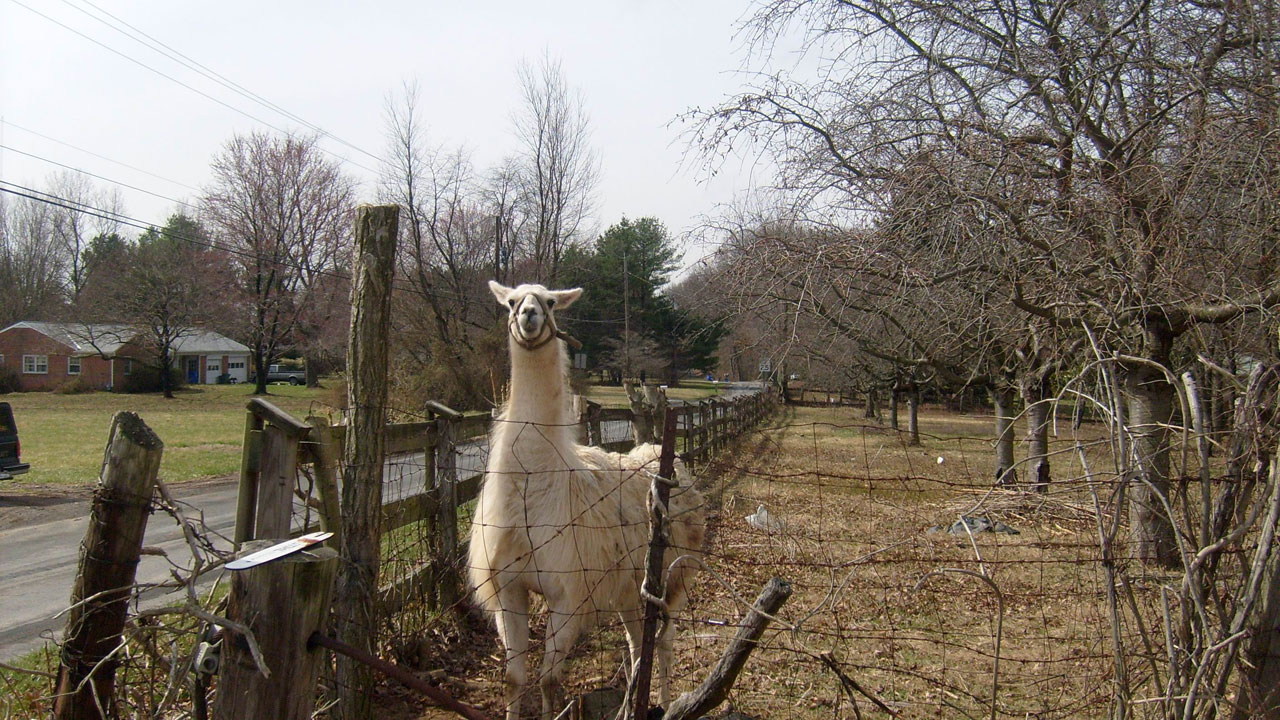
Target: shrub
[(10, 381), (74, 386), (146, 379)]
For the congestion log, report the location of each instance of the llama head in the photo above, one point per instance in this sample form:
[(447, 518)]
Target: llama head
[(531, 311)]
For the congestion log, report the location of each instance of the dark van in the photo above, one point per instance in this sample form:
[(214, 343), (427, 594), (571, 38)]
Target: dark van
[(10, 449)]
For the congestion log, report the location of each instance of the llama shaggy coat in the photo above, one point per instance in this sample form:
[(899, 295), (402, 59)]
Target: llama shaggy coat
[(563, 520)]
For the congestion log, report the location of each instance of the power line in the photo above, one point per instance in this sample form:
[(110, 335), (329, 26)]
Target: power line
[(170, 78), (10, 123), (190, 63), (99, 177)]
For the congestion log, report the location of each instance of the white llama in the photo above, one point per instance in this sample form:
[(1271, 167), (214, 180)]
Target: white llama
[(566, 521)]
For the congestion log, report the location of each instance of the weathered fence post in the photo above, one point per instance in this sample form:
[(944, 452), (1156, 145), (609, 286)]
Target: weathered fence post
[(108, 565), (250, 463), (282, 603), (638, 691), (445, 554), (641, 414), (363, 446), (324, 453), (581, 409), (276, 481), (596, 434)]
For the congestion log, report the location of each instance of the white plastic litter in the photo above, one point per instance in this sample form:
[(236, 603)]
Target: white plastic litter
[(762, 520), (941, 460)]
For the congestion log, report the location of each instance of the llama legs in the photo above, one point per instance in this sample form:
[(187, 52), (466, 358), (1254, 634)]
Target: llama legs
[(562, 631), (513, 629)]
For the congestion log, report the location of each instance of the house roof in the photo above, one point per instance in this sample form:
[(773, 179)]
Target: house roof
[(105, 339), (205, 342)]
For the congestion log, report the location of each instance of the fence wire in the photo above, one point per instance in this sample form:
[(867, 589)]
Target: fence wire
[(920, 589)]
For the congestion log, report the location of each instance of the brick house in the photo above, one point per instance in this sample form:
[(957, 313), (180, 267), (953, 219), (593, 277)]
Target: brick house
[(46, 355)]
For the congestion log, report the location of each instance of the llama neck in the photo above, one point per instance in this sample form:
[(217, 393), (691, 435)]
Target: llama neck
[(538, 387)]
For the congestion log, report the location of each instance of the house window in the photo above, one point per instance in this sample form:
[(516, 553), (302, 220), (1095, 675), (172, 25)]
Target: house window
[(128, 366), (73, 366), (230, 366), (35, 364)]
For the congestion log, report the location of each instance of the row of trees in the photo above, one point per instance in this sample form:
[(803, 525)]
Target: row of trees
[(1037, 199), (263, 254), (260, 258)]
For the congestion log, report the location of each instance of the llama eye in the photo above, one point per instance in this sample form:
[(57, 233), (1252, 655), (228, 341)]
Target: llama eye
[(551, 302), (512, 303)]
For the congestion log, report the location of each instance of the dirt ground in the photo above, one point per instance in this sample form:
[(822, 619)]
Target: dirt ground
[(911, 615)]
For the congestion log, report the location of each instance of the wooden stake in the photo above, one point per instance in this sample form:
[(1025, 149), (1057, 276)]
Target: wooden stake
[(108, 565)]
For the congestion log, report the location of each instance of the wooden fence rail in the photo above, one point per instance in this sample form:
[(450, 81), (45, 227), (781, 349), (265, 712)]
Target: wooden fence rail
[(276, 443)]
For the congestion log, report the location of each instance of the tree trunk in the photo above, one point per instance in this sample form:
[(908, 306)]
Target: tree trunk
[(260, 365), (873, 407), (913, 413), (1259, 683), (312, 370), (1150, 399), (893, 407), (1004, 398), (1036, 396)]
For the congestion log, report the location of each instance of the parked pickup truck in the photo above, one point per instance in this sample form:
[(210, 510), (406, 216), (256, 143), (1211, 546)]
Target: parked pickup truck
[(10, 449), (284, 373)]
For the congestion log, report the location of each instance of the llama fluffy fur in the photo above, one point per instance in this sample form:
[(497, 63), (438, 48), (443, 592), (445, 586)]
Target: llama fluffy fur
[(566, 521)]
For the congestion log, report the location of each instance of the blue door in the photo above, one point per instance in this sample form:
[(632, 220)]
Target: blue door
[(193, 370)]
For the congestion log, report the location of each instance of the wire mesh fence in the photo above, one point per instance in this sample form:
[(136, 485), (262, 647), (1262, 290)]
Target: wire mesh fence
[(920, 589)]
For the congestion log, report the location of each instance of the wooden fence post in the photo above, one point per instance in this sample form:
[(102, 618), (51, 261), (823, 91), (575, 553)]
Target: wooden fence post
[(282, 603), (108, 565), (276, 481), (324, 453), (641, 414), (581, 411), (250, 463), (363, 450), (596, 433), (448, 582)]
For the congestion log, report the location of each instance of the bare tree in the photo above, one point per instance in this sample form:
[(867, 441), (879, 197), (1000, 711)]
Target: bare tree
[(73, 228), (558, 168), (283, 210), (1112, 152), (32, 267), (451, 233)]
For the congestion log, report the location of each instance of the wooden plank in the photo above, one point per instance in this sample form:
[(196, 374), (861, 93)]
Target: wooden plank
[(281, 419), (276, 482), (409, 437), (282, 603)]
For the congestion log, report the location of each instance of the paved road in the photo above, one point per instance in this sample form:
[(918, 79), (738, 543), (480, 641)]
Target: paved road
[(38, 562)]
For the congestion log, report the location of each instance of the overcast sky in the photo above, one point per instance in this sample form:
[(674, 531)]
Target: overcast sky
[(638, 64)]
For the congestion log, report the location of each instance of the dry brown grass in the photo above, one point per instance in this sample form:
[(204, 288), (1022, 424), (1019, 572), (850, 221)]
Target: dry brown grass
[(857, 503)]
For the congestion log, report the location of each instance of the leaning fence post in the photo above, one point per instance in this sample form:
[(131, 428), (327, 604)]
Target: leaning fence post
[(638, 690), (108, 565), (363, 450), (282, 603)]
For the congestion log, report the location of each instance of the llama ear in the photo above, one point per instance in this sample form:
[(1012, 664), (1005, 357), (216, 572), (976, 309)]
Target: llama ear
[(499, 291), (565, 298)]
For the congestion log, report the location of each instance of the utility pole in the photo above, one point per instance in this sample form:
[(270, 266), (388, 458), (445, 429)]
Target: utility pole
[(626, 319)]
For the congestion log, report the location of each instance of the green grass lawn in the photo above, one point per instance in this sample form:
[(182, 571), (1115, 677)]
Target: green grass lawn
[(63, 436)]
